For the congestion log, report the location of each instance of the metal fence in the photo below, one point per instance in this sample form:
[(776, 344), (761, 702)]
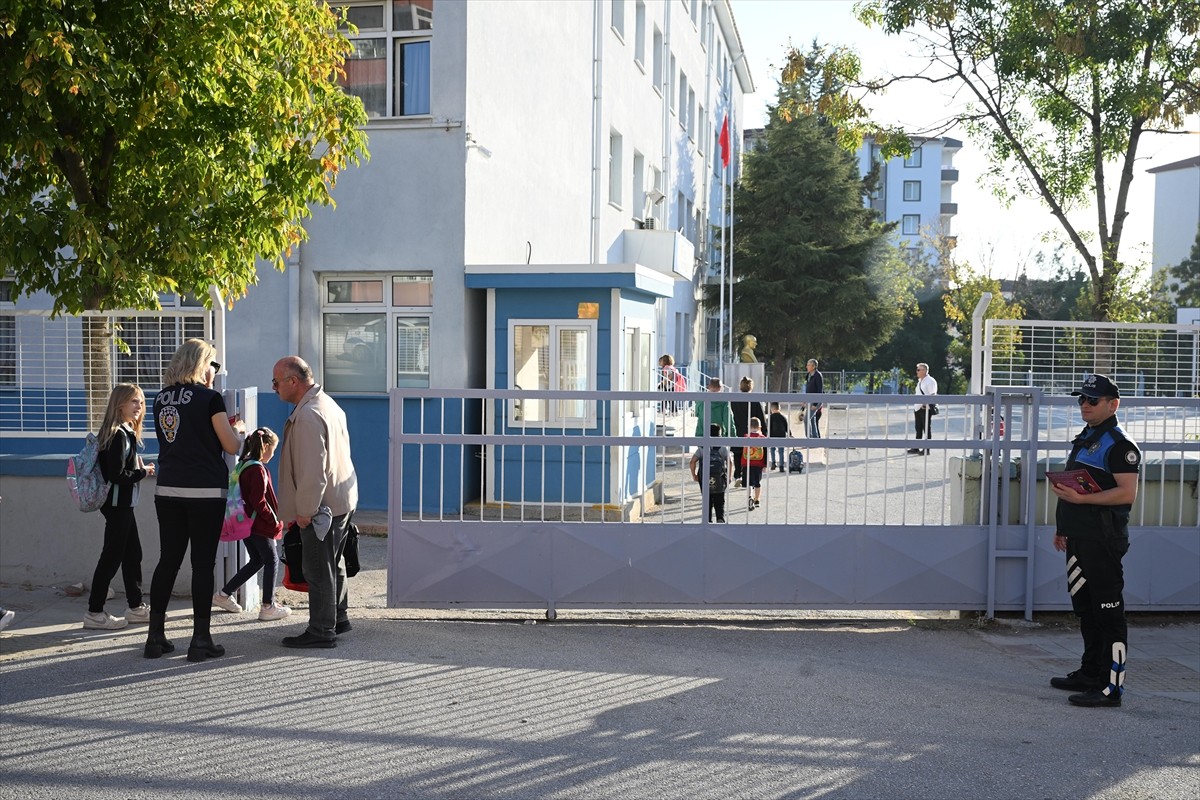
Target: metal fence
[(1144, 360), (52, 370), (487, 513)]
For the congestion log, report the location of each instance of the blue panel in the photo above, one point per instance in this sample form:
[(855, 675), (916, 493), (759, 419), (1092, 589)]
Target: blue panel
[(553, 304)]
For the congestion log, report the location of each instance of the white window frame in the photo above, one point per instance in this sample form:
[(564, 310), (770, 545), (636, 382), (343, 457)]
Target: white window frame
[(385, 308), (392, 39), (554, 417), (616, 160), (656, 61), (912, 191)]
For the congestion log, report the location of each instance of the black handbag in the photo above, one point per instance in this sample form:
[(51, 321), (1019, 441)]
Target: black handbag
[(293, 560), (350, 551), (933, 409)]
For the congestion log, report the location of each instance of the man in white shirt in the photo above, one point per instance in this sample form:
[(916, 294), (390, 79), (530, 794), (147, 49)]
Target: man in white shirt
[(926, 385)]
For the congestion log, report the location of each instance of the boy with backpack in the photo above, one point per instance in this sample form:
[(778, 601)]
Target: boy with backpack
[(719, 466), (778, 428), (753, 461)]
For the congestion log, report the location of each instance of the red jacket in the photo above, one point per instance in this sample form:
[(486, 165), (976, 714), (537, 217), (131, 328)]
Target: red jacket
[(259, 498)]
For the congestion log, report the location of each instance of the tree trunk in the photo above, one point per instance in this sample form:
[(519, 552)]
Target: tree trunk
[(97, 366), (781, 374)]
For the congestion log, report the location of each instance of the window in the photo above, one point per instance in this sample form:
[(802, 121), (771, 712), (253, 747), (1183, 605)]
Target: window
[(639, 34), (913, 159), (656, 61), (683, 96), (695, 11), (552, 355), (618, 17), (691, 116), (681, 213), (614, 168), (702, 118), (373, 326), (704, 27), (671, 82), (8, 336), (911, 224), (389, 68), (912, 190), (639, 185)]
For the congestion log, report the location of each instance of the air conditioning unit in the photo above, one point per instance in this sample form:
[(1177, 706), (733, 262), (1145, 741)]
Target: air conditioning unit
[(649, 223)]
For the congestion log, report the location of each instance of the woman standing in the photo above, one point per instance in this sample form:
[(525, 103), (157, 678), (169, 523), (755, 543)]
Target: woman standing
[(193, 434), (120, 439), (743, 412), (258, 497)]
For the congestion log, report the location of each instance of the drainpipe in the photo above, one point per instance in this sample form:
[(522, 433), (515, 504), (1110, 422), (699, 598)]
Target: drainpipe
[(293, 312), (597, 122), (218, 304)]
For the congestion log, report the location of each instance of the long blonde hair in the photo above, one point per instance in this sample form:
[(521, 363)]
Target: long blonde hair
[(121, 394), (190, 363)]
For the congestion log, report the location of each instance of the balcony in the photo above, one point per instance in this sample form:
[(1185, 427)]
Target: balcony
[(949, 176), (661, 250), (949, 209)]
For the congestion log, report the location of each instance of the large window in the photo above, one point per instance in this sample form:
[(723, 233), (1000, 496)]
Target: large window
[(375, 332), (913, 159), (552, 355), (389, 68), (910, 224), (912, 190)]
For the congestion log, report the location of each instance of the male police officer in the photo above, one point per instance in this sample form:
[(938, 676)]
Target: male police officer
[(1093, 530)]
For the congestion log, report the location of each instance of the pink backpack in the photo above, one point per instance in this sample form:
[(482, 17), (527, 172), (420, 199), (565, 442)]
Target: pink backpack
[(237, 522)]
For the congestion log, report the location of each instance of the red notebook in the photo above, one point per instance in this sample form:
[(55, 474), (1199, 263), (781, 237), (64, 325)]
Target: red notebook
[(1078, 479)]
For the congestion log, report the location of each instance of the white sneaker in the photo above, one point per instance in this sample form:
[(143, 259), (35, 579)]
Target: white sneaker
[(139, 614), (103, 621), (6, 618), (227, 603), (273, 611)]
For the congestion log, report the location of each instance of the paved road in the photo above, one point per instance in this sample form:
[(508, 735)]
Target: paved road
[(412, 706)]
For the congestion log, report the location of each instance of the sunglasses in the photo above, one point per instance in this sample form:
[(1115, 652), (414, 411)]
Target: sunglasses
[(275, 383), (216, 365), (1091, 401)]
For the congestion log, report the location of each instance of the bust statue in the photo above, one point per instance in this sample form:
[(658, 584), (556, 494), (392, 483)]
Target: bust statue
[(749, 342)]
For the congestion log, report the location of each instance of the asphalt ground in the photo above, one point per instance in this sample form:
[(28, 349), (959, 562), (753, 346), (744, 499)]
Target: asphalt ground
[(502, 704)]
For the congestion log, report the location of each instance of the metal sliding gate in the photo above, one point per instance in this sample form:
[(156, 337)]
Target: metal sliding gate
[(488, 510)]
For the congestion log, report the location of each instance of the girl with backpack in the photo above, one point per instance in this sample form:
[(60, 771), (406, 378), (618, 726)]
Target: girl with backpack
[(259, 498), (120, 439)]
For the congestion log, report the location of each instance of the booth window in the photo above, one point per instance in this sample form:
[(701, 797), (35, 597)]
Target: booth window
[(547, 355), (373, 327)]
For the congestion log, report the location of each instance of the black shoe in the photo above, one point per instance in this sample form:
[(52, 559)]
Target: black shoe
[(1075, 682), (306, 639), (1095, 698), (343, 626), (202, 647), (914, 451)]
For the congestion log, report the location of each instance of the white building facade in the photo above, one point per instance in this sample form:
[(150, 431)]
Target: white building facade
[(1176, 211), (916, 191)]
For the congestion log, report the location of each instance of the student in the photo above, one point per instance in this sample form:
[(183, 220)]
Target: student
[(120, 439), (258, 496), (778, 428), (753, 461), (718, 473)]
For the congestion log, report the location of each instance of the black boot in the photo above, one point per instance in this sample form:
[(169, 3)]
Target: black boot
[(157, 642), (202, 646)]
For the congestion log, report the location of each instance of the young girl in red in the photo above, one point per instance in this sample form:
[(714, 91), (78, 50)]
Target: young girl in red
[(259, 498)]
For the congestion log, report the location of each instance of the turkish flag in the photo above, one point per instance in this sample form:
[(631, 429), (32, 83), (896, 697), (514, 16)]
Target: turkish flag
[(724, 142)]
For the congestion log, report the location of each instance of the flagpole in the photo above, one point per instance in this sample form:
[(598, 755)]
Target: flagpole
[(732, 128), (721, 315)]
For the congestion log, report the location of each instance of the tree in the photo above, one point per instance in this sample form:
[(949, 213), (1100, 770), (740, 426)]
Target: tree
[(817, 277), (967, 287), (1061, 95), (163, 146), (1185, 278)]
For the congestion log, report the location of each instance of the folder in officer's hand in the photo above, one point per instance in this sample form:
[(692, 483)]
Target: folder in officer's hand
[(1078, 479)]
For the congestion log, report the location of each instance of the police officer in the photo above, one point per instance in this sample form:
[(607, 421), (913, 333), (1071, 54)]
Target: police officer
[(1093, 530)]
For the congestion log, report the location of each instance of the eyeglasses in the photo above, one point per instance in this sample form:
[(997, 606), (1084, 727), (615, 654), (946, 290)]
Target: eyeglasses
[(1091, 401), (275, 383), (216, 365)]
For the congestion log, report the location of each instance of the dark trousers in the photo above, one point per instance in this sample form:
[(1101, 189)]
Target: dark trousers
[(325, 573), (924, 428), (739, 469), (122, 550), (261, 554), (1096, 580), (184, 521), (716, 503)]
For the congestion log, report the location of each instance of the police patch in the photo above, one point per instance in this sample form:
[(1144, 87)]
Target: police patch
[(1093, 448), (1131, 457)]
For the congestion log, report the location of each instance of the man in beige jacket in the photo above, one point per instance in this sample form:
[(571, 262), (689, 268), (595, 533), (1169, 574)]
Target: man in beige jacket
[(318, 491)]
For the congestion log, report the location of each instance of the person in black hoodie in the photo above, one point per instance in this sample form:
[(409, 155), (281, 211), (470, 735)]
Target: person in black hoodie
[(120, 439), (743, 412)]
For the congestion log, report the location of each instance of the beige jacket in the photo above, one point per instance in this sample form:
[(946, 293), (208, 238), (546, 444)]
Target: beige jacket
[(314, 459)]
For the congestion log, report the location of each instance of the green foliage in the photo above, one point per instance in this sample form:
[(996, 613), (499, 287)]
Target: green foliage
[(1136, 298), (163, 145), (1061, 96), (1056, 297), (967, 287), (1185, 277), (816, 275)]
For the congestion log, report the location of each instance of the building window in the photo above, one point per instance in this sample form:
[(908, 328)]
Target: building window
[(618, 17), (638, 205), (683, 96), (639, 34), (357, 314), (656, 61), (912, 190), (552, 355), (615, 145), (703, 137), (911, 224), (389, 68), (671, 83), (913, 159), (691, 117)]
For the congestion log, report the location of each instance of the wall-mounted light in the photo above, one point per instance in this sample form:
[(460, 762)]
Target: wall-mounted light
[(471, 143)]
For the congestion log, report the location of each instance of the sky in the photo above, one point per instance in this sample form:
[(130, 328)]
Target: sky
[(996, 239)]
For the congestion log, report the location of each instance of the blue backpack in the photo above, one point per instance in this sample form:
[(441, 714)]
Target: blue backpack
[(84, 479)]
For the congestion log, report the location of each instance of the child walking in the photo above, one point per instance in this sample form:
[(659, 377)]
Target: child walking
[(753, 461), (778, 428), (120, 439), (259, 498)]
